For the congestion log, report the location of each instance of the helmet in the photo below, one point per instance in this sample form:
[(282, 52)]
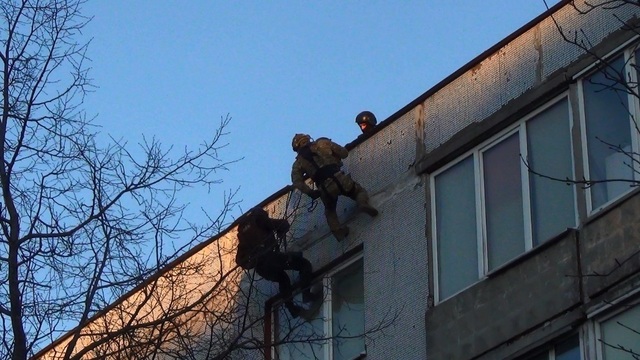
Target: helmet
[(300, 140), (366, 117)]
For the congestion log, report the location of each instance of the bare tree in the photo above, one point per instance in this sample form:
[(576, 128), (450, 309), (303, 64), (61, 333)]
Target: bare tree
[(85, 272), (201, 306), (84, 219)]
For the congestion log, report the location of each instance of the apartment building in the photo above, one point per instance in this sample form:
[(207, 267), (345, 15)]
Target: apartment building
[(508, 225)]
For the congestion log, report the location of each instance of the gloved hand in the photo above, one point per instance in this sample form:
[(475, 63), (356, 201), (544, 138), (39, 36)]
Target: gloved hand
[(314, 194), (283, 229)]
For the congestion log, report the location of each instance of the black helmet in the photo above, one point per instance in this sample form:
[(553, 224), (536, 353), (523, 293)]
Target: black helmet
[(366, 117)]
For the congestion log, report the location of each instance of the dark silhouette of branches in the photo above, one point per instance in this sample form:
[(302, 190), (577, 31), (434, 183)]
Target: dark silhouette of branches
[(583, 182), (200, 307), (97, 259), (83, 219)]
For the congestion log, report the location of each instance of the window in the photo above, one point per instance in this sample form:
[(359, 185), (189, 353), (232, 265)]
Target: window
[(620, 336), (336, 330), (610, 132), (504, 216), (568, 349), (491, 205)]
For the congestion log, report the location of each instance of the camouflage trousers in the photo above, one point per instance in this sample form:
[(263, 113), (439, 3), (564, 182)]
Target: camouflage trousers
[(340, 184)]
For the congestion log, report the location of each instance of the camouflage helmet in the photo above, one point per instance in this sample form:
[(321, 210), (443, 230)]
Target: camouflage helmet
[(299, 140), (366, 117)]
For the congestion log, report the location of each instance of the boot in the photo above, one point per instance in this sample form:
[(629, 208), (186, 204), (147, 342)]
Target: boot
[(368, 209), (295, 254), (313, 293), (362, 199), (294, 309), (341, 233)]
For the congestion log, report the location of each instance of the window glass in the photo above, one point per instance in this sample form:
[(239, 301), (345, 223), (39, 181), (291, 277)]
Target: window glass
[(336, 328), (347, 306), (543, 356), (568, 350), (291, 331), (503, 201), (549, 154), (608, 132), (637, 63), (457, 244), (621, 335), (519, 209)]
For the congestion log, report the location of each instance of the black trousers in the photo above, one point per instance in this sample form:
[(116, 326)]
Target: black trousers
[(272, 266)]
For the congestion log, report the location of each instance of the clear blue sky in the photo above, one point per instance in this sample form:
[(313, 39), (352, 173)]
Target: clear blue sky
[(171, 69)]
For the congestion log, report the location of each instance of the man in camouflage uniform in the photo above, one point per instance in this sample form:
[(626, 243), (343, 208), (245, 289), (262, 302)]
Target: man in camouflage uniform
[(258, 248), (321, 160)]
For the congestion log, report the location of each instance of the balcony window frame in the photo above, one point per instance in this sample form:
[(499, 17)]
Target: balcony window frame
[(519, 127), (629, 55), (551, 349), (607, 313)]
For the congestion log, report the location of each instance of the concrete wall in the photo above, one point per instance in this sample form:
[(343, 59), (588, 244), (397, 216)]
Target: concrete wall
[(516, 299), (610, 248)]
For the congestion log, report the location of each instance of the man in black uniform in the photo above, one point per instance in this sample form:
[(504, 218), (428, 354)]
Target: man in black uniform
[(366, 121), (258, 248)]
